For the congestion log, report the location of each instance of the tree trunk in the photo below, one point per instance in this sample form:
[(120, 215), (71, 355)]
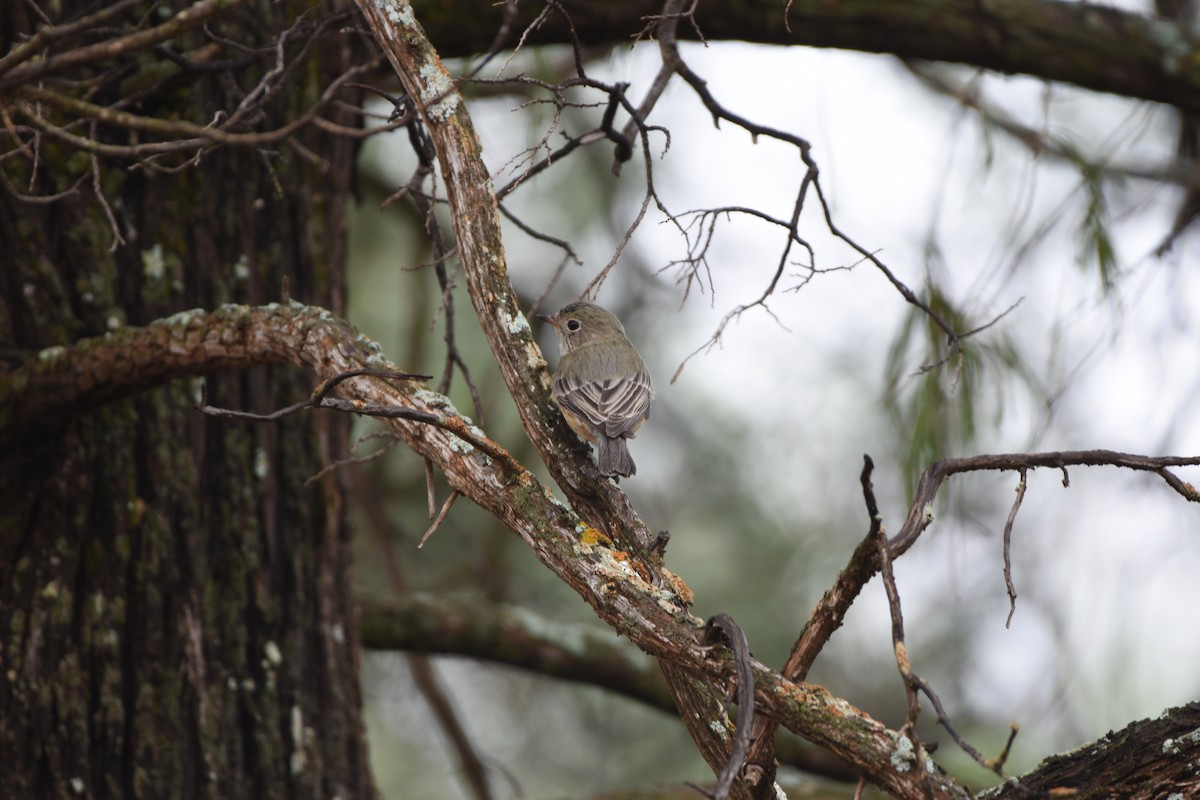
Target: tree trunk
[(175, 603)]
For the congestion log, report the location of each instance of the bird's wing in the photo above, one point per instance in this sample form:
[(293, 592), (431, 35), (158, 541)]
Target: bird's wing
[(614, 405)]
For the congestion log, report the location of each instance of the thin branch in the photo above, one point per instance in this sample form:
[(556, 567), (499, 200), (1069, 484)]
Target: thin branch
[(1008, 526), (913, 683), (568, 251), (503, 32), (48, 34), (998, 762), (430, 489), (98, 192), (172, 130), (673, 59), (42, 199), (826, 617), (920, 514), (353, 461), (190, 17), (664, 30), (319, 399), (437, 522), (427, 682)]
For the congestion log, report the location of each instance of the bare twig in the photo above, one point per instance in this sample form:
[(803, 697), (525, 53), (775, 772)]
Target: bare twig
[(503, 33), (179, 135), (673, 61), (21, 69), (664, 30), (48, 34), (319, 399), (568, 252), (430, 489), (826, 617), (1008, 526), (320, 396), (345, 462), (98, 192), (913, 683), (441, 516), (920, 514), (998, 762), (42, 199)]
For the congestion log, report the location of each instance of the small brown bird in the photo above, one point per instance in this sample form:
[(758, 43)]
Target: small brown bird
[(601, 384)]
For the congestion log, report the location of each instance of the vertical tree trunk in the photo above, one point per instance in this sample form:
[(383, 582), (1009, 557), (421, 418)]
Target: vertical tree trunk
[(175, 602)]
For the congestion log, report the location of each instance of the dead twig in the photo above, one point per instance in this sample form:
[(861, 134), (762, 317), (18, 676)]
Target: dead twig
[(441, 516), (1008, 526)]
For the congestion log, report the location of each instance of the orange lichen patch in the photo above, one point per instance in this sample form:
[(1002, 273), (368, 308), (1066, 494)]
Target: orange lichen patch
[(591, 537), (681, 589)]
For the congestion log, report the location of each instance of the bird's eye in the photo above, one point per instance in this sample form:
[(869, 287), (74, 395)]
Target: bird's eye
[(573, 325)]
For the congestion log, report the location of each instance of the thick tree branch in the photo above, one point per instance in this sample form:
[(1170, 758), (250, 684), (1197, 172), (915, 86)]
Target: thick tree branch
[(521, 637), (518, 637), (1052, 39), (1146, 760)]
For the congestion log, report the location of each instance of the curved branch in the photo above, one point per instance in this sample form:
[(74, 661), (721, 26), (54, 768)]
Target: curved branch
[(523, 638), (1052, 39), (518, 637)]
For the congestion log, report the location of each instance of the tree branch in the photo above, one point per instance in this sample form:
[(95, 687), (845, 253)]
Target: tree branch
[(1051, 39), (521, 637), (518, 637), (1146, 760), (20, 66), (920, 514)]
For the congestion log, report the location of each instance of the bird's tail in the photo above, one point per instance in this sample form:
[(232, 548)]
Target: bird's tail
[(613, 457)]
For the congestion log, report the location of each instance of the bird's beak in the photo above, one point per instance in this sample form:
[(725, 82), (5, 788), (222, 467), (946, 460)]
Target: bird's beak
[(549, 319)]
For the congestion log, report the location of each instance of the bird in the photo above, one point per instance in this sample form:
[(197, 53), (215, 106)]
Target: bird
[(601, 383)]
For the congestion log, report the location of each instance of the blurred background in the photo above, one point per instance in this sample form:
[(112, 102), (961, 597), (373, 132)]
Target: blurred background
[(752, 454)]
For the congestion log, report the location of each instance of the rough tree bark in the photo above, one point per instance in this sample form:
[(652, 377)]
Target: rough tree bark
[(175, 603)]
